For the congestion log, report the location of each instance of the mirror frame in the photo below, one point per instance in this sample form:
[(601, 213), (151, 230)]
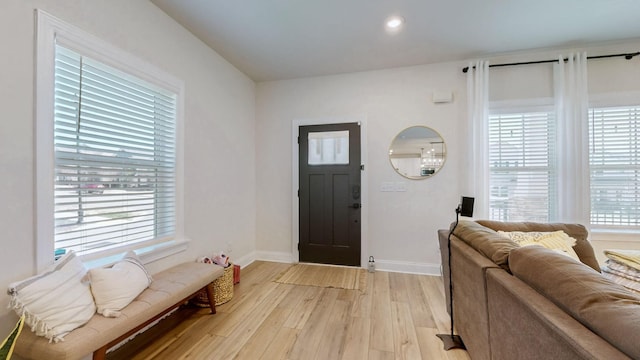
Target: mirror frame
[(420, 152)]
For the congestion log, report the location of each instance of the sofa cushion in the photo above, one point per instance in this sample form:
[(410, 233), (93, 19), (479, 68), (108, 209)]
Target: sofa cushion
[(583, 247), (607, 309), (487, 241)]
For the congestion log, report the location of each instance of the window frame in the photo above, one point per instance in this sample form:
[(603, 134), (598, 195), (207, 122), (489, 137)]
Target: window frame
[(49, 31), (613, 99), (612, 232), (524, 106)]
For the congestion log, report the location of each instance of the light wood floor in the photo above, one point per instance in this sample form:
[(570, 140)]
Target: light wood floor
[(396, 318)]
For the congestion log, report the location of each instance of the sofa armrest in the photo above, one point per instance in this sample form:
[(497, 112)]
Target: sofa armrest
[(469, 297)]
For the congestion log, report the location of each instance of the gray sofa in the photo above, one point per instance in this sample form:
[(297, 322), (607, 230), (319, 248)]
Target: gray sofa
[(514, 302)]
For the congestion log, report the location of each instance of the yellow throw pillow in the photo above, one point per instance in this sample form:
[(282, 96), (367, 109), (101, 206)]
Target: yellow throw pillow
[(557, 240), (631, 258)]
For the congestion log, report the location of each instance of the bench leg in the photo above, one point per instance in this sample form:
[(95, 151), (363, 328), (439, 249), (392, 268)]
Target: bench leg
[(210, 296), (100, 354)]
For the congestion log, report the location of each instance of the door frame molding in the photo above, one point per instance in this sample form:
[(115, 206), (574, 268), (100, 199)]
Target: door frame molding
[(295, 181)]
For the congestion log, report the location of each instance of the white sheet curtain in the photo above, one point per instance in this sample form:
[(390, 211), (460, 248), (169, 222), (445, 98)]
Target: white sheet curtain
[(477, 166), (571, 99)]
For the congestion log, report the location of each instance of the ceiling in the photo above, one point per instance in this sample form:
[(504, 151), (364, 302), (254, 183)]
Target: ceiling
[(284, 39)]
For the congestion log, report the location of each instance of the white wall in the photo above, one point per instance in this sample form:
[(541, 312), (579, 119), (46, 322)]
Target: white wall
[(606, 76), (402, 225), (219, 128)]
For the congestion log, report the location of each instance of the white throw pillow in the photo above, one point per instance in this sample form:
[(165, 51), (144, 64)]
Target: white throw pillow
[(56, 301), (558, 241), (114, 288)]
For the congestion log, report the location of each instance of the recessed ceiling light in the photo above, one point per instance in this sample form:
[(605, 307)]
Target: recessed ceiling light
[(394, 23)]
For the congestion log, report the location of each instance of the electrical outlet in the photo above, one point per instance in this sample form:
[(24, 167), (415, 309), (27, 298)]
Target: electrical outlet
[(401, 186), (387, 186)]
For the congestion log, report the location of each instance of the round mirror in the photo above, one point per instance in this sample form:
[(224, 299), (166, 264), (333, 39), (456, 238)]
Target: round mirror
[(417, 152)]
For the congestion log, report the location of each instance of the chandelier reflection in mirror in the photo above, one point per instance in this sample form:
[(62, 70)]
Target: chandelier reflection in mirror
[(417, 152)]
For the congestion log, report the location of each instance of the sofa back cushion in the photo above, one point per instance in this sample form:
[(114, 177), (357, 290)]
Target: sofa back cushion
[(486, 241), (604, 307), (583, 247)]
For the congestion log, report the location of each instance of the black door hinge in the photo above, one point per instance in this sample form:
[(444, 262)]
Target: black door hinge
[(298, 246), (362, 167)]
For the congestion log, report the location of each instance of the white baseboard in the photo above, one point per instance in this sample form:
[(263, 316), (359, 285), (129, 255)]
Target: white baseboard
[(408, 267), (381, 265), (245, 260), (274, 256)]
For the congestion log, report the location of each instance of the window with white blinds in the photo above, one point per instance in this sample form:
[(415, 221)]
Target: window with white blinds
[(521, 166), (115, 156), (614, 160)]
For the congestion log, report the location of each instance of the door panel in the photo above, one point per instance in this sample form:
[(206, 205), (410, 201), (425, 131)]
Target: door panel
[(329, 194), (341, 210)]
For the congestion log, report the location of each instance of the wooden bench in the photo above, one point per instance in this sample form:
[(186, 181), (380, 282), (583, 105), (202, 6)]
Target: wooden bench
[(169, 289)]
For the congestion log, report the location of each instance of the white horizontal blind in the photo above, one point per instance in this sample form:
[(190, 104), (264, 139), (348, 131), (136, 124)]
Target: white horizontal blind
[(115, 150), (614, 160), (521, 166)]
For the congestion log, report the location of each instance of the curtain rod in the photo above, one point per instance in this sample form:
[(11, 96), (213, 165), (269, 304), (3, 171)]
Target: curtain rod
[(628, 56)]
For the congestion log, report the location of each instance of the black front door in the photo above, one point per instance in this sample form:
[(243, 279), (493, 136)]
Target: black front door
[(329, 194)]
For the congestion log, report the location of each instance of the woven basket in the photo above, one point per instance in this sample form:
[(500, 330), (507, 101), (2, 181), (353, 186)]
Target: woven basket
[(222, 287)]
